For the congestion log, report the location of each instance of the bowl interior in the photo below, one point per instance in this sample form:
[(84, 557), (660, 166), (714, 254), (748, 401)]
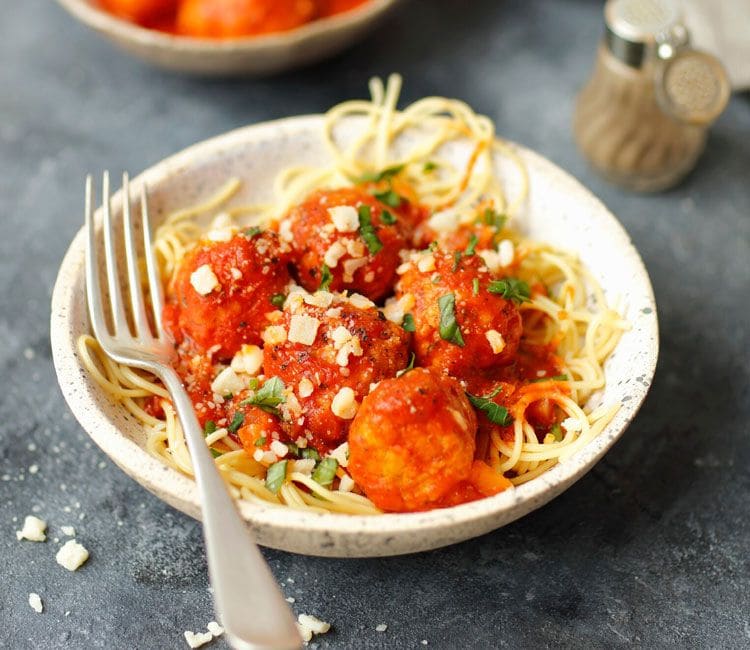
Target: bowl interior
[(559, 211)]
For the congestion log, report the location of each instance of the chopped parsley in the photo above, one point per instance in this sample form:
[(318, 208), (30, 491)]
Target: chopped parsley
[(376, 177), (268, 398), (325, 278), (511, 289), (278, 299), (389, 197), (260, 441), (254, 231), (456, 260), (495, 413), (209, 428), (408, 323), (429, 167), (449, 329), (237, 421), (387, 218), (275, 476), (310, 452), (325, 471), (475, 286), (553, 378), (367, 230), (471, 246)]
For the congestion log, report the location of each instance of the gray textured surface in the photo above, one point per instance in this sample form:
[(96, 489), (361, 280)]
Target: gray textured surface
[(652, 548)]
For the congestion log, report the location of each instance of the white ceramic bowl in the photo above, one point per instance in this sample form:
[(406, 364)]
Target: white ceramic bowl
[(559, 210), (251, 56)]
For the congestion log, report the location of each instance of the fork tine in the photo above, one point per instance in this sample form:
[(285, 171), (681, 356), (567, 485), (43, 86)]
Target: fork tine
[(93, 289), (131, 255), (113, 281), (154, 280)]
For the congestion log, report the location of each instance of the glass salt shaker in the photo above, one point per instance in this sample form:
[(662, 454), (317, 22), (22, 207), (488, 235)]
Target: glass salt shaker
[(642, 118)]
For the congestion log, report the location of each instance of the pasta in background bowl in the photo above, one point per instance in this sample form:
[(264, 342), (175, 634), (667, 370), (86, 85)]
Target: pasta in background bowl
[(279, 163)]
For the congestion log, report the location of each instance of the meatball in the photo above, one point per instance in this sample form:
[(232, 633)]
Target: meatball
[(412, 441), (461, 328), (350, 232), (140, 11), (221, 293), (232, 18), (329, 351)]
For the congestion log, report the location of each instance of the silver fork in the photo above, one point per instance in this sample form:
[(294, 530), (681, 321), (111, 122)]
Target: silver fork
[(248, 601)]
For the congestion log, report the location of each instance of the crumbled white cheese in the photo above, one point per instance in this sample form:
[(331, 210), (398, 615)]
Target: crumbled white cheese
[(572, 424), (285, 230), (33, 529), (322, 299), (303, 329), (35, 602), (279, 448), (33, 469), (304, 466), (274, 335), (305, 387), (356, 248), (506, 251), (360, 302), (345, 218), (215, 629), (426, 263), (249, 360), (313, 624), (68, 530), (382, 627), (265, 457), (344, 404), (341, 454), (396, 308), (227, 381), (204, 280), (305, 633), (291, 599), (333, 254), (71, 555), (351, 266), (403, 268), (334, 312), (301, 441), (351, 346), (197, 639), (496, 341), (346, 484)]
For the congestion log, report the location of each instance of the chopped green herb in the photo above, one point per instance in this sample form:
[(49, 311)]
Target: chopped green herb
[(367, 230), (449, 329), (254, 231), (552, 378), (325, 471), (325, 278), (293, 449), (275, 476), (436, 278), (408, 323), (412, 359), (429, 166), (278, 300), (557, 431), (456, 260), (493, 218), (228, 396), (471, 245), (389, 197), (495, 413), (310, 452), (215, 453), (260, 441), (387, 218), (253, 383), (376, 177), (433, 246), (511, 289), (268, 398), (237, 422), (209, 428), (475, 286)]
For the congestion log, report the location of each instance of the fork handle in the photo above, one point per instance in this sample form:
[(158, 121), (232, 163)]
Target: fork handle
[(247, 598)]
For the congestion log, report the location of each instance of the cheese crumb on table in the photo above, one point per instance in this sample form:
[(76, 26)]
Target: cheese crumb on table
[(197, 639), (309, 625), (71, 555), (35, 602), (33, 529), (68, 530), (382, 627), (214, 628)]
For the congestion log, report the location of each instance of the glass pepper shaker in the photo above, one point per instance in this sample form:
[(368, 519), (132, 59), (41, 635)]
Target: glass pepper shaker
[(642, 118)]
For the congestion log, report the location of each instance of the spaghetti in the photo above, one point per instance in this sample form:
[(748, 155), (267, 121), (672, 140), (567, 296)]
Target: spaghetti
[(568, 329)]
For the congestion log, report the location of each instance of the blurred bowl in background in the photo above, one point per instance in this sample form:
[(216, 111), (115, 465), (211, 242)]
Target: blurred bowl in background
[(260, 55)]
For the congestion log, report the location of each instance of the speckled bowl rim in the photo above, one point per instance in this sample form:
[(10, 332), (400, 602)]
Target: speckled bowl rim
[(107, 23), (271, 525)]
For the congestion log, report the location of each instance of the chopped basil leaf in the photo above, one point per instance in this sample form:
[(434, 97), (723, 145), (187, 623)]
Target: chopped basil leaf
[(456, 260), (268, 398), (215, 453), (408, 323), (409, 367), (367, 230), (209, 428), (275, 476), (310, 452), (511, 289), (237, 421), (475, 286), (228, 396), (325, 471), (552, 378), (252, 383), (387, 218), (433, 246), (557, 431), (449, 330), (278, 300), (389, 197), (495, 413), (494, 219), (254, 231), (260, 441), (376, 177), (429, 166), (325, 278), (471, 245)]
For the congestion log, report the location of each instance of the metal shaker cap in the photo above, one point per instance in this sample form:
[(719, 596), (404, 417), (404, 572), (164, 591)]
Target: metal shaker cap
[(636, 29)]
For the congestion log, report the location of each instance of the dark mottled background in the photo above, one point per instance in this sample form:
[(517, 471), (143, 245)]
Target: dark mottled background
[(650, 549)]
